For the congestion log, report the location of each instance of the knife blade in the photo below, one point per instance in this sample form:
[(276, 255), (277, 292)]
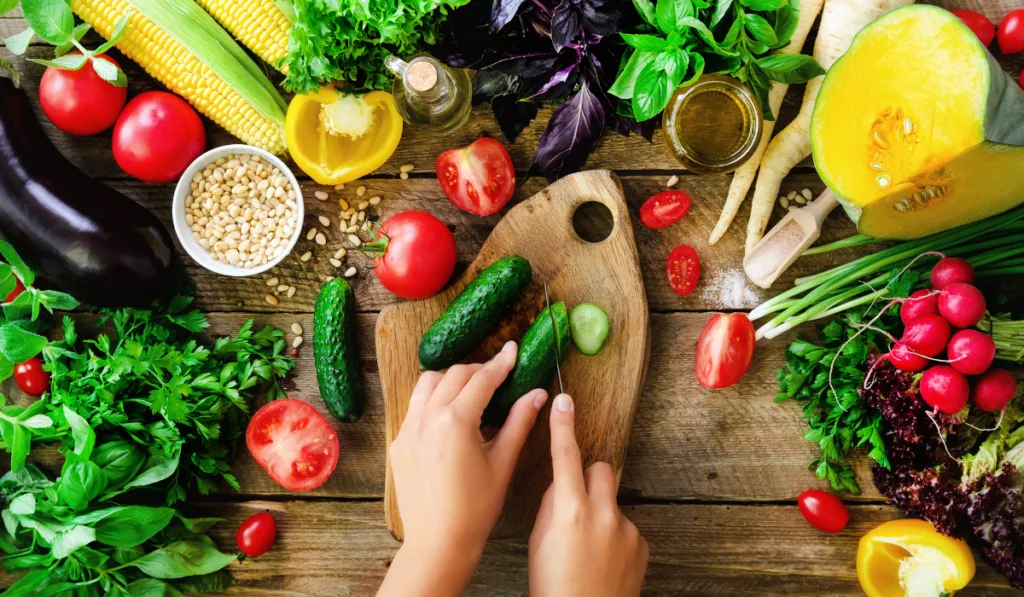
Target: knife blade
[(558, 342)]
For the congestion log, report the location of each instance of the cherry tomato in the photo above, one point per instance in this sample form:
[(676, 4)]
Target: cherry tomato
[(478, 178), (31, 378), (157, 136), (18, 289), (294, 443), (665, 208), (725, 350), (257, 534), (979, 24), (683, 269), (415, 254), (1011, 33), (79, 102), (824, 511)]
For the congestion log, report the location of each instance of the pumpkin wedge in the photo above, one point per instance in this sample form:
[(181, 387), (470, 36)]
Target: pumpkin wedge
[(917, 129)]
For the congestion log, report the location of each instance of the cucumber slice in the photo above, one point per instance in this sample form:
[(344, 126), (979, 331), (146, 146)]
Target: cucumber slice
[(589, 324)]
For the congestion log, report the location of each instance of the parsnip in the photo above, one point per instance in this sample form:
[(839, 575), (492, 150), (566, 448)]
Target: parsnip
[(841, 20), (744, 176)]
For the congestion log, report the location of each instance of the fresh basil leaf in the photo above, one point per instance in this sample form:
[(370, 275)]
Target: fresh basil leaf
[(7, 6), (764, 5), (624, 83), (671, 13), (674, 63), (151, 587), (181, 559), (80, 30), (37, 422), (651, 93), (215, 582), (23, 505), (786, 21), (19, 344), (565, 24), (646, 10), (17, 44), (721, 10), (646, 43), (19, 446), (65, 62), (68, 541), (81, 481), (81, 432), (157, 468), (29, 561), (53, 300), (14, 260), (198, 525), (28, 584), (571, 134), (502, 13), (760, 29), (600, 17), (707, 37), (6, 368), (790, 68), (127, 526), (50, 19), (120, 461), (114, 36)]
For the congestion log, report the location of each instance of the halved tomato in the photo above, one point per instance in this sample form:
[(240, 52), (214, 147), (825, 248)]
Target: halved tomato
[(294, 443), (665, 208), (725, 349), (478, 178), (683, 269)]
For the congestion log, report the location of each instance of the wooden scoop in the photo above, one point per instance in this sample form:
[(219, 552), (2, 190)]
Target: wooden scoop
[(787, 240)]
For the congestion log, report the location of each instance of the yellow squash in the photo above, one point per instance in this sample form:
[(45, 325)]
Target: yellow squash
[(909, 558), (330, 156)]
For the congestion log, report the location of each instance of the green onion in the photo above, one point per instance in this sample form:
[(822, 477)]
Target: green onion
[(1007, 334)]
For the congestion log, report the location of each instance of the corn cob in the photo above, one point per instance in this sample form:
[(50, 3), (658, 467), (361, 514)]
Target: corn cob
[(258, 24), (171, 63)]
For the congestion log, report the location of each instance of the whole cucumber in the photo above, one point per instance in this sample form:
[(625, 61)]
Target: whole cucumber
[(535, 364), (474, 313), (335, 353)]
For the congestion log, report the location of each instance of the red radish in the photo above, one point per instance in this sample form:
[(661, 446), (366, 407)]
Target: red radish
[(951, 270), (927, 335), (904, 359), (971, 352), (920, 303), (962, 305), (994, 390), (945, 389)]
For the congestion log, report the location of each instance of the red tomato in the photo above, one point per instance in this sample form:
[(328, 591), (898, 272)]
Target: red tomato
[(18, 289), (79, 102), (478, 178), (979, 24), (294, 443), (665, 208), (683, 269), (415, 254), (257, 534), (824, 511), (724, 350), (1011, 32), (31, 378), (157, 136)]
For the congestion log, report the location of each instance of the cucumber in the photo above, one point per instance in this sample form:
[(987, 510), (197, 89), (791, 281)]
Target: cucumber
[(590, 325), (474, 313), (335, 353), (535, 364)]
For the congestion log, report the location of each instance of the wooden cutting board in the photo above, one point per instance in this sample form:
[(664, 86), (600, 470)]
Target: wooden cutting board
[(606, 387)]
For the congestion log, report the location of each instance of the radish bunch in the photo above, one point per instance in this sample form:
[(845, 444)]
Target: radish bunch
[(939, 320)]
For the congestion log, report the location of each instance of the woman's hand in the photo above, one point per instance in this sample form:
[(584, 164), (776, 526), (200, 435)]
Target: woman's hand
[(582, 545), (450, 483)]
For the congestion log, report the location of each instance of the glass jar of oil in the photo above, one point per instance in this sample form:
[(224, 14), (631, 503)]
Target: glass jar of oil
[(712, 126)]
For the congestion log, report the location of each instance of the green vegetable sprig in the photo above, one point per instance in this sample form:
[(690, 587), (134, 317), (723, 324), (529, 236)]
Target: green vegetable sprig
[(679, 44)]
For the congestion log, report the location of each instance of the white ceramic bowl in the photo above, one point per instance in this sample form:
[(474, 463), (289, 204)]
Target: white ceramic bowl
[(184, 232)]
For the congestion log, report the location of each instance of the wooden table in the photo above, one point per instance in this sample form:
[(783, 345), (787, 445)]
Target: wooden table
[(710, 477)]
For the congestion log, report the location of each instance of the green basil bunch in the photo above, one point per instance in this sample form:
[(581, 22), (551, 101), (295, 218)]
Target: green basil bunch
[(679, 42)]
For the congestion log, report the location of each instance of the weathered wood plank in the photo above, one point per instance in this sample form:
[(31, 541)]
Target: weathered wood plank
[(326, 548), (686, 443)]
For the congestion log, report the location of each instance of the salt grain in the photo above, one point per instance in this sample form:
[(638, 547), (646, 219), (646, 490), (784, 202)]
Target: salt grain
[(730, 290)]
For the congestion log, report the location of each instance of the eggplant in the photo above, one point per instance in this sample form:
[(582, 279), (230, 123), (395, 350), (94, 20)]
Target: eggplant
[(78, 234)]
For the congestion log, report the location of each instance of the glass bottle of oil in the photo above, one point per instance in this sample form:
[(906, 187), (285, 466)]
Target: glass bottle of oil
[(713, 125), (429, 94)]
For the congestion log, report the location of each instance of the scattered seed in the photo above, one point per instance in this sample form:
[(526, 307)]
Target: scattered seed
[(271, 299), (320, 195), (329, 278), (311, 234), (343, 204), (335, 262), (297, 342), (291, 291), (791, 195), (406, 168), (339, 187), (355, 240), (297, 329), (800, 199), (792, 207), (272, 282), (306, 256), (877, 166), (323, 220), (404, 176), (785, 202), (672, 180), (362, 216), (351, 229), (375, 200), (365, 226), (340, 253), (352, 221), (808, 195), (361, 191), (282, 288), (321, 239), (350, 272), (884, 181), (363, 205)]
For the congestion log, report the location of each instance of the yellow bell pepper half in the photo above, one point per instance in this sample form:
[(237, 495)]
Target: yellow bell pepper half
[(331, 159), (909, 558)]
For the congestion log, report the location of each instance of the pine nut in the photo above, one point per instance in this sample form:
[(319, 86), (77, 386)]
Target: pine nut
[(321, 239), (355, 240), (404, 168), (334, 262), (363, 205), (323, 220), (272, 282), (291, 291), (321, 195), (791, 195), (339, 187), (785, 202), (375, 200), (306, 256), (350, 272), (808, 195), (311, 234), (296, 329), (271, 299), (352, 229), (404, 176), (340, 253), (343, 204), (672, 181), (282, 288), (297, 342), (361, 191)]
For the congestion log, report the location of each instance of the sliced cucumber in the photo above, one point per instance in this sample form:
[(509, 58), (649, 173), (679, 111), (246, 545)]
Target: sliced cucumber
[(589, 324)]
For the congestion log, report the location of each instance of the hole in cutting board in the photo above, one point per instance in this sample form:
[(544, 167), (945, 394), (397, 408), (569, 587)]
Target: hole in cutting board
[(593, 221)]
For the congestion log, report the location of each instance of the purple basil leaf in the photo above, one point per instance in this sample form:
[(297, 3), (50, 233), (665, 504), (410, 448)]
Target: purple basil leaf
[(560, 83), (601, 17), (503, 11), (565, 24), (574, 129), (538, 64), (513, 115)]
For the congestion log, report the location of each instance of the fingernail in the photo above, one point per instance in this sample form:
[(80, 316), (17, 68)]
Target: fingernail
[(540, 399), (563, 403)]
